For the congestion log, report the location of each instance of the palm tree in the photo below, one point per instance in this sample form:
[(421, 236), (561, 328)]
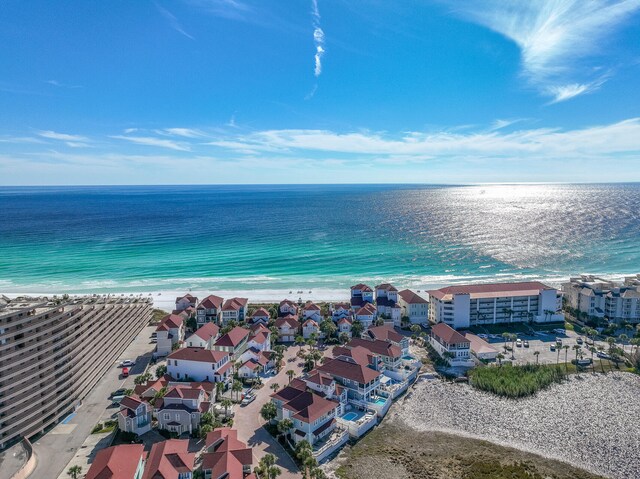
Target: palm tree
[(537, 355), (601, 349), (500, 357), (291, 373), (357, 328), (274, 387), (558, 356), (226, 404), (566, 352), (236, 387), (285, 426), (268, 411), (300, 341), (304, 452), (267, 467), (623, 338), (74, 471), (577, 348)]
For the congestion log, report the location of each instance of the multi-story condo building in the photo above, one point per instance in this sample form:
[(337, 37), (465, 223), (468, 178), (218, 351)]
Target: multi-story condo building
[(53, 352), (601, 298), (462, 306), (414, 306)]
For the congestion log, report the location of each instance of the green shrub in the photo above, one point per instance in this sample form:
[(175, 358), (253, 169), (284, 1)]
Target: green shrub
[(515, 381)]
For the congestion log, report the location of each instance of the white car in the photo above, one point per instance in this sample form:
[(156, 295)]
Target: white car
[(483, 336), (127, 363), (248, 399), (519, 342)]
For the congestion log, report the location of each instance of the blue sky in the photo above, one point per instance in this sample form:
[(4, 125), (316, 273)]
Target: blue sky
[(240, 91)]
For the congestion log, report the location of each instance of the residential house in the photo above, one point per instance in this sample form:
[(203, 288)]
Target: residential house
[(310, 327), (182, 407), (209, 310), (200, 364), (286, 308), (260, 337), (234, 309), (344, 326), (233, 342), (149, 390), (169, 333), (387, 303), (204, 337), (480, 348), (361, 381), (311, 311), (135, 415), (388, 333), (313, 417), (451, 345), (170, 459), (360, 294), (125, 461), (288, 328), (339, 311), (255, 363), (462, 306), (366, 315), (414, 306), (225, 456), (183, 302), (260, 315)]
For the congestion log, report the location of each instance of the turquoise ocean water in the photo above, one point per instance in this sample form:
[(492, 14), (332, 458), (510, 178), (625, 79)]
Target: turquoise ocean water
[(166, 238)]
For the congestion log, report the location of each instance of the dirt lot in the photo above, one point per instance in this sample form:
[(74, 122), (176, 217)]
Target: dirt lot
[(395, 450)]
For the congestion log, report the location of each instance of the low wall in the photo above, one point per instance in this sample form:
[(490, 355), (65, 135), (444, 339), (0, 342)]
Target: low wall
[(28, 467)]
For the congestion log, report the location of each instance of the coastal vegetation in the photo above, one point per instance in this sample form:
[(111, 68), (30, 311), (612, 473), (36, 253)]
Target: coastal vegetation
[(516, 381)]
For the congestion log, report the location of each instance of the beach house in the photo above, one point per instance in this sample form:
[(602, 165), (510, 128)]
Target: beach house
[(451, 345), (288, 328), (339, 311), (344, 326), (186, 301), (360, 381), (387, 303), (388, 333), (255, 363), (462, 306), (182, 407), (414, 306), (260, 338), (209, 310), (311, 311), (125, 461), (169, 334), (287, 307), (135, 415), (199, 364), (260, 315), (234, 309), (360, 294), (226, 457), (309, 327), (366, 314), (233, 342), (204, 337), (170, 459)]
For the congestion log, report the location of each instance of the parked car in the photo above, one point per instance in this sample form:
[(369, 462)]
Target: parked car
[(579, 340), (116, 399), (483, 336), (560, 331), (117, 392), (519, 342), (248, 399), (559, 341), (525, 343), (125, 372), (128, 363), (552, 347), (602, 355)]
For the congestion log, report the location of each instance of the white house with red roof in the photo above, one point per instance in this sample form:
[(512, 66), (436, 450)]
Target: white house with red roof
[(260, 337), (288, 328), (233, 342), (287, 307), (344, 326), (366, 314), (451, 345), (388, 333), (312, 311), (209, 310), (387, 303), (199, 364), (360, 294), (135, 415), (255, 363), (183, 302), (225, 456), (339, 311), (170, 332), (414, 306), (260, 315), (125, 461), (462, 306), (204, 337), (182, 407), (170, 459), (309, 327), (234, 309)]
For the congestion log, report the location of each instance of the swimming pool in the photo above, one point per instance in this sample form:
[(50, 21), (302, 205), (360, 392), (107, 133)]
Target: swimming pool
[(380, 401), (350, 416), (408, 358)]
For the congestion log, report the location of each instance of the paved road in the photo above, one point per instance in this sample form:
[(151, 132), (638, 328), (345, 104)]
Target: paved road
[(249, 423), (55, 449)]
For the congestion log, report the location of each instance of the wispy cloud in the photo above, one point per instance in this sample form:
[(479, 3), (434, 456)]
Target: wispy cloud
[(318, 38), (173, 21), (53, 135), (555, 37), (231, 9), (58, 84), (152, 141)]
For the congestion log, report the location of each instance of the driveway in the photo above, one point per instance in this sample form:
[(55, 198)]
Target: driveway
[(66, 441), (249, 423)]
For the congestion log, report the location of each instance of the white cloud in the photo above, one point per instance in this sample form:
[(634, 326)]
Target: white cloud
[(184, 132), (52, 135), (173, 21), (151, 141), (554, 37), (318, 38)]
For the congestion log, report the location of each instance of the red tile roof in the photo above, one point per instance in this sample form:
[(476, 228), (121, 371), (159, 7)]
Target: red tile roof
[(310, 306), (447, 334), (385, 332), (116, 462), (493, 289), (207, 331), (198, 354), (350, 370), (367, 310), (382, 348), (169, 458), (307, 407), (362, 287), (234, 304), (412, 298), (292, 321), (260, 313), (170, 321), (233, 338), (386, 287), (210, 302), (226, 454)]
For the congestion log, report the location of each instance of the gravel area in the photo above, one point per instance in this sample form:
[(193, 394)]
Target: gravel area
[(590, 421)]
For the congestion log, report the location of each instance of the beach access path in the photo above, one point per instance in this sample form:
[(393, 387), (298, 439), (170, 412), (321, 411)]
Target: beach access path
[(65, 443), (249, 423)]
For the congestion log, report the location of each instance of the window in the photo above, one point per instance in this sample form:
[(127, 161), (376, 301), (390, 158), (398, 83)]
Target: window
[(166, 416)]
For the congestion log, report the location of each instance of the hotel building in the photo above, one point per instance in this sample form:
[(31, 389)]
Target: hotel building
[(53, 352), (468, 305), (602, 298)]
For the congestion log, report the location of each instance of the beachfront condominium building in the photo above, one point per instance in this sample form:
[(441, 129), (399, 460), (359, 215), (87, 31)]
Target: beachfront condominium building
[(462, 306), (597, 297), (52, 352)]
